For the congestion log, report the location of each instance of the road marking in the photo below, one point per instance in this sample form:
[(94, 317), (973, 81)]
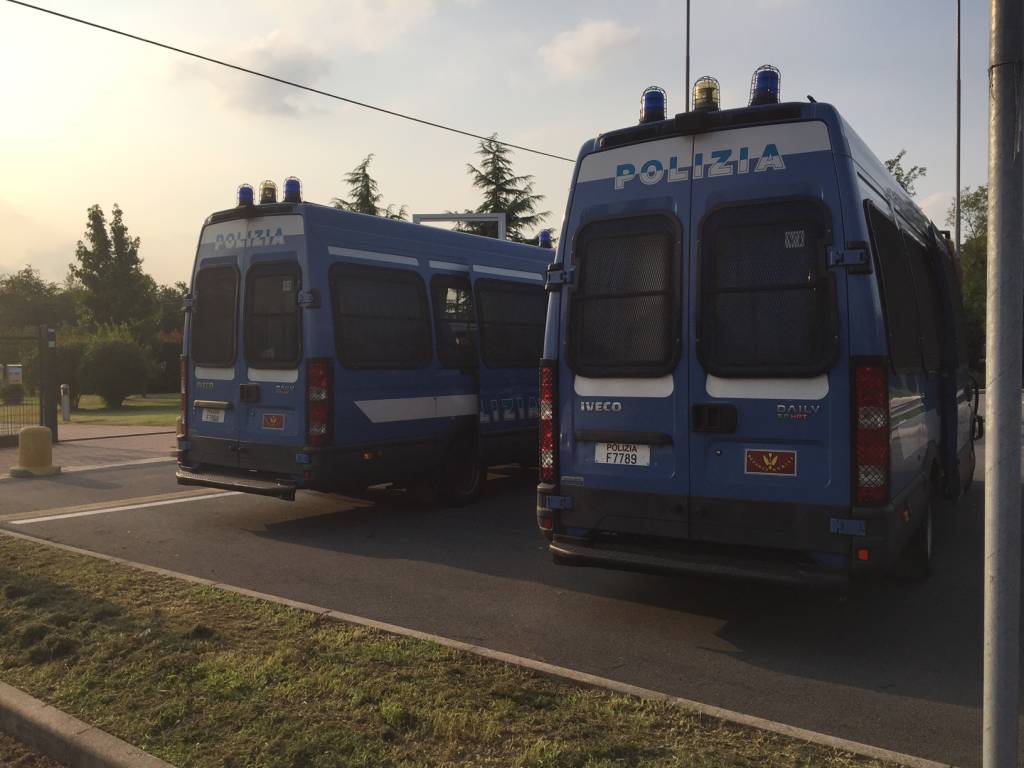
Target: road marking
[(575, 676), (123, 508)]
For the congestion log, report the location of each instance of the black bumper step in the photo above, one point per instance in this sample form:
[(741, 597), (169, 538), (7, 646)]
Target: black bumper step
[(246, 482)]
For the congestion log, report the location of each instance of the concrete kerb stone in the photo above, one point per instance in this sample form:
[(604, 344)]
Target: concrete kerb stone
[(534, 665), (64, 738)]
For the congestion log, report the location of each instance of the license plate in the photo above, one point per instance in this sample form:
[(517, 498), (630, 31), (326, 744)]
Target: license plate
[(215, 415), (628, 454)]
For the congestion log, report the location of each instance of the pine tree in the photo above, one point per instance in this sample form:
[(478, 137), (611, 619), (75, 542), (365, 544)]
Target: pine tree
[(504, 192), (364, 195), (116, 290)]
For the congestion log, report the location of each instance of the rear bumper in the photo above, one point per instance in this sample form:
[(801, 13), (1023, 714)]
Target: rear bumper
[(246, 482), (686, 561)]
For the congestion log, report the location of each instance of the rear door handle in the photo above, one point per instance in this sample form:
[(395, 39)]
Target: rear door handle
[(713, 417)]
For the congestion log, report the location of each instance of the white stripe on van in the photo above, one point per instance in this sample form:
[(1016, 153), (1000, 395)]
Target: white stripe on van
[(274, 376), (416, 408), (507, 273), (389, 258), (216, 374), (814, 388), (662, 386), (258, 232), (449, 265)]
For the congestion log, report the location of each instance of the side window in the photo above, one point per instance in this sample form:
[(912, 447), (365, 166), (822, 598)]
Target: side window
[(272, 332), (454, 321), (897, 291), (926, 293), (625, 315), (213, 316), (768, 305), (381, 318), (512, 317)]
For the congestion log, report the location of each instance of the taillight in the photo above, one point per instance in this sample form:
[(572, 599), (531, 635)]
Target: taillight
[(548, 422), (183, 408), (871, 433), (318, 401)]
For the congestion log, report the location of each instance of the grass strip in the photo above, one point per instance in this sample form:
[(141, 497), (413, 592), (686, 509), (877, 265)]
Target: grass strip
[(136, 411), (14, 754), (201, 677)]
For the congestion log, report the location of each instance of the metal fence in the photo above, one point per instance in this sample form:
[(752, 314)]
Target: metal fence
[(16, 414), (26, 375)]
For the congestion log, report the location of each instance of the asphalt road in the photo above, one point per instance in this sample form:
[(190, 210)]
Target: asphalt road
[(898, 666)]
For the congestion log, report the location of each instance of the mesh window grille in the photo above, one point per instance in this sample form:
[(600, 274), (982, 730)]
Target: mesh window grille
[(512, 317), (380, 317), (625, 311), (213, 316), (272, 336), (901, 311), (767, 303)]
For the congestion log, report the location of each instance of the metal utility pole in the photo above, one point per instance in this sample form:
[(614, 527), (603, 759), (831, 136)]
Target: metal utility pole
[(686, 88), (957, 214), (1001, 698)]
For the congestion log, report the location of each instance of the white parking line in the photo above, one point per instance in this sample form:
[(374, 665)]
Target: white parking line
[(105, 510)]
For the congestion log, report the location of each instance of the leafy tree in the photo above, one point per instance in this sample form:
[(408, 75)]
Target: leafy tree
[(907, 178), (364, 194), (114, 365), (27, 301), (115, 289), (504, 192), (973, 264)]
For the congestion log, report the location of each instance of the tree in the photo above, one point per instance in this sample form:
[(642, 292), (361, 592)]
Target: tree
[(906, 177), (116, 290), (973, 212), (27, 301), (973, 264), (504, 192), (364, 195)]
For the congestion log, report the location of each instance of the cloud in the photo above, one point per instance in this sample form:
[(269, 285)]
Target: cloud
[(580, 51)]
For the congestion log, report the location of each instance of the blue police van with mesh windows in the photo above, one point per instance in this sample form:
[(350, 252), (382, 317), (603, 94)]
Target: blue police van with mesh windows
[(332, 351), (754, 360)]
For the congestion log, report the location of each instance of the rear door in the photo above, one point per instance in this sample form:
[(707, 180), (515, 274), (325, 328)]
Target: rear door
[(623, 385), (769, 389)]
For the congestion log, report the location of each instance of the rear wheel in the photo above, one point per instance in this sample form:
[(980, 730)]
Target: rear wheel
[(916, 562), (464, 473)]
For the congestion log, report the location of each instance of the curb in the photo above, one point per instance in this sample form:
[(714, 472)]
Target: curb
[(64, 738), (535, 665)]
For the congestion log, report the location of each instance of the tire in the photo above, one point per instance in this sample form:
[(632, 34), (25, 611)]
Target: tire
[(916, 561), (464, 474)]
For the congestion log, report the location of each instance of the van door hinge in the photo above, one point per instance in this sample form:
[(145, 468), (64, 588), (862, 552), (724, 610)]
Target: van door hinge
[(854, 259), (558, 276)]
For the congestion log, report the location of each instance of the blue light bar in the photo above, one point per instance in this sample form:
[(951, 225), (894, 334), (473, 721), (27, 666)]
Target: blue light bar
[(245, 195), (544, 238), (292, 190), (653, 104), (765, 86)]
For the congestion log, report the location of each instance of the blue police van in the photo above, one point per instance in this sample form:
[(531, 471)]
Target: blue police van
[(754, 360), (332, 350)]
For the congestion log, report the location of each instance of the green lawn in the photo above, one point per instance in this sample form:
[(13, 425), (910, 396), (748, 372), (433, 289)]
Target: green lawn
[(136, 411), (202, 677)]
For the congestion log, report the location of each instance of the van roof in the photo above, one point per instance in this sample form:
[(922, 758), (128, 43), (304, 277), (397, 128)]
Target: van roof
[(845, 141)]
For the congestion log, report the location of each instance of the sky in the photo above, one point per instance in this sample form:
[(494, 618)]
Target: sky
[(94, 118)]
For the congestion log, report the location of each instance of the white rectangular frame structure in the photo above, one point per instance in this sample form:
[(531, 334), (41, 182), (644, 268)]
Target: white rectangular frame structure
[(500, 218)]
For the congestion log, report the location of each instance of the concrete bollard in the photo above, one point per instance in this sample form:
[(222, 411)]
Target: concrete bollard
[(35, 453)]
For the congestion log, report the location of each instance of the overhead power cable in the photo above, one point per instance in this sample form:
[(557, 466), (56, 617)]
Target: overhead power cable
[(283, 81)]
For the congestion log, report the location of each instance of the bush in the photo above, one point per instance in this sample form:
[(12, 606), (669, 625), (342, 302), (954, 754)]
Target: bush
[(113, 367), (12, 394)]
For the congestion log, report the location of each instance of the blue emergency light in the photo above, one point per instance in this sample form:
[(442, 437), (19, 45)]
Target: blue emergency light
[(653, 104), (544, 238), (292, 190), (765, 86), (245, 195), (706, 94)]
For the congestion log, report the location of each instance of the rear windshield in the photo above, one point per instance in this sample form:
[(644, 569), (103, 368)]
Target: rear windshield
[(213, 316), (625, 317), (272, 334), (512, 319), (381, 318), (768, 303)]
